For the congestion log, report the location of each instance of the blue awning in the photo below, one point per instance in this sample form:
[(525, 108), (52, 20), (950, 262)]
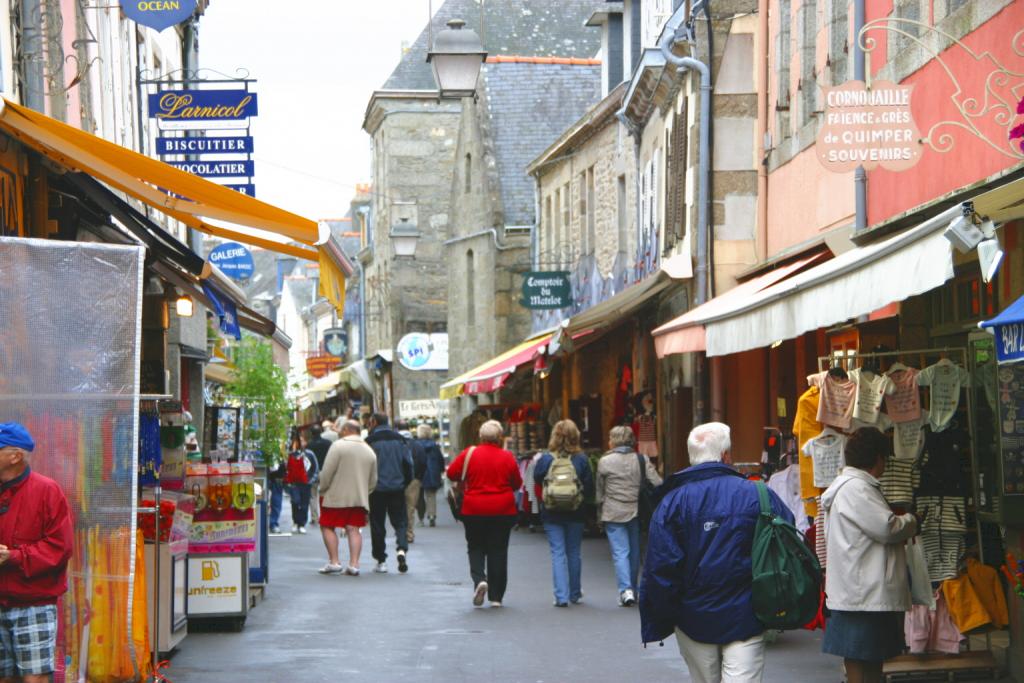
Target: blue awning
[(1009, 330)]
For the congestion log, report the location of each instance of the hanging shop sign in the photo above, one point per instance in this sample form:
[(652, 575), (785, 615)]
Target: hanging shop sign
[(336, 342), (423, 408), (236, 144), (235, 260), (321, 364), (868, 126), (199, 108), (158, 14), (217, 169), (421, 351), (226, 311), (546, 290), (248, 189)]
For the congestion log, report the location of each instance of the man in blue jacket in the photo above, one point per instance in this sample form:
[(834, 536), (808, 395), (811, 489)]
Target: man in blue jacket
[(387, 500), (697, 577)]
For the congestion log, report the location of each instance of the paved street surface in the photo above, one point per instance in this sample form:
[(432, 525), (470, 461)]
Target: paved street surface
[(421, 626)]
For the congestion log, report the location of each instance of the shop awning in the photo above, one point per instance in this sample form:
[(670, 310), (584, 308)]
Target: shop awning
[(611, 312), (493, 374), (852, 284), (1008, 327), (686, 333), (178, 194), (357, 376), (1002, 204)]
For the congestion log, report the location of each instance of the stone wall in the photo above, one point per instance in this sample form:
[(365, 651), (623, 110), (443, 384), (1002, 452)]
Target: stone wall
[(413, 158)]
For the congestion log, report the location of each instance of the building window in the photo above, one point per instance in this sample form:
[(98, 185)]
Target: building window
[(910, 10), (564, 241), (468, 174), (839, 49), (556, 233), (808, 68), (591, 212), (623, 215), (470, 289)]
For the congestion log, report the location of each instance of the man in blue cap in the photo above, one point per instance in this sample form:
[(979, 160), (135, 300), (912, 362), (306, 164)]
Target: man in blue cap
[(35, 546)]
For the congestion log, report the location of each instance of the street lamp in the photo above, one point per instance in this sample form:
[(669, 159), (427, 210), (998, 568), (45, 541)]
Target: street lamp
[(184, 306), (404, 237), (456, 57)]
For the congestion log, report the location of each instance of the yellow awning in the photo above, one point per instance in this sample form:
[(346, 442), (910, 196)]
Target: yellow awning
[(496, 369), (158, 184), (176, 193)]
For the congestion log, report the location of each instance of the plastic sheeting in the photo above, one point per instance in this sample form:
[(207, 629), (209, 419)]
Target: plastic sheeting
[(70, 326)]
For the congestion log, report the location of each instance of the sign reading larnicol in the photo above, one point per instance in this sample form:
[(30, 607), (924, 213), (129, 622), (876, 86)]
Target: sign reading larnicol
[(200, 108), (158, 14)]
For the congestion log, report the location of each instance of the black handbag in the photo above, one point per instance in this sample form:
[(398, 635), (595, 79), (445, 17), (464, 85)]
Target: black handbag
[(456, 492), (647, 498)]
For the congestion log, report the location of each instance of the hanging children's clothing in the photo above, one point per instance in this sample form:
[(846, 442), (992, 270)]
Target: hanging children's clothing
[(820, 543), (931, 630), (942, 464), (899, 481), (786, 483), (826, 453), (805, 428), (835, 407), (909, 437), (946, 380), (871, 388), (966, 607), (903, 404)]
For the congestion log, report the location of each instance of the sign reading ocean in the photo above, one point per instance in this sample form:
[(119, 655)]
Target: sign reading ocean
[(158, 14), (192, 109), (217, 169)]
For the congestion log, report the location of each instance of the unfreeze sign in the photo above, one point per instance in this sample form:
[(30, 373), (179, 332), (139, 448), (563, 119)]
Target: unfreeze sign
[(158, 14), (868, 127), (546, 290)]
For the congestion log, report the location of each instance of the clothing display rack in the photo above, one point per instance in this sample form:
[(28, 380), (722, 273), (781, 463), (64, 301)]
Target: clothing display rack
[(918, 664)]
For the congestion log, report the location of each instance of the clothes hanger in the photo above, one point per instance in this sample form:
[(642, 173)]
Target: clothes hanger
[(837, 372)]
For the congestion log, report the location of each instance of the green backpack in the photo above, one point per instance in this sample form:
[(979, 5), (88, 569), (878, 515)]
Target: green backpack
[(563, 490), (787, 575)]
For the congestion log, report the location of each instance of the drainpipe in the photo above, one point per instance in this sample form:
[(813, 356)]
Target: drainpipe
[(701, 275), (32, 55), (762, 130), (860, 177)]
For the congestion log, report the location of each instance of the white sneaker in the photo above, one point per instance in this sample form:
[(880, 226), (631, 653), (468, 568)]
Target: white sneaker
[(352, 571), (479, 594), (302, 530), (331, 569), (626, 598), (381, 568), (495, 603), (295, 528)]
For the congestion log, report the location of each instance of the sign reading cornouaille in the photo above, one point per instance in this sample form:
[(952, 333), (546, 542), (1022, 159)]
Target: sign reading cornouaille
[(869, 127), (158, 14)]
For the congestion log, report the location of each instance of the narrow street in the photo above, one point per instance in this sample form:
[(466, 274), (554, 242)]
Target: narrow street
[(422, 627)]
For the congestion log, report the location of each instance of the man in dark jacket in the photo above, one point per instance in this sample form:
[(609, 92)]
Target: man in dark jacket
[(435, 466), (698, 575), (387, 501), (35, 546), (319, 445), (419, 466)]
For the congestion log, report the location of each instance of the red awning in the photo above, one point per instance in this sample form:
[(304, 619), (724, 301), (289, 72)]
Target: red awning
[(686, 333), (493, 376)]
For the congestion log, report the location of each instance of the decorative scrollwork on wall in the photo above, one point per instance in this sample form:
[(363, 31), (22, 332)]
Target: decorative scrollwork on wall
[(1002, 88)]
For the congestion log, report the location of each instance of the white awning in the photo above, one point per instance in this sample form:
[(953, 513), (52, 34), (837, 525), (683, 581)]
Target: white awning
[(852, 284)]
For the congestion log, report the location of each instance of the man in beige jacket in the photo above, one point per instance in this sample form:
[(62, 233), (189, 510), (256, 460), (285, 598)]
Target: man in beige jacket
[(348, 477)]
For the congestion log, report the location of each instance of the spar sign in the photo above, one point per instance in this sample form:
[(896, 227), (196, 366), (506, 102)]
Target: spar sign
[(868, 126), (158, 14)]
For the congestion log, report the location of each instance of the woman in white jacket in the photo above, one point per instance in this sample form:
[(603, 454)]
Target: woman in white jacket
[(866, 583)]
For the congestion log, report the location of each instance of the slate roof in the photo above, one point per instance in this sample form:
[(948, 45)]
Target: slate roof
[(534, 28), (530, 106)]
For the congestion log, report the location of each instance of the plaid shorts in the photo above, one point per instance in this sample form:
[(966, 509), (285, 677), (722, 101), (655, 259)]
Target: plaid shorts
[(28, 638)]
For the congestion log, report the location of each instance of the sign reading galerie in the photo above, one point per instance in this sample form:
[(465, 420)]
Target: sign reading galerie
[(233, 259), (869, 127), (546, 290), (158, 14)]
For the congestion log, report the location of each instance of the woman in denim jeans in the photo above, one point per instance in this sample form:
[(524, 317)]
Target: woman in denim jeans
[(618, 494), (564, 529)]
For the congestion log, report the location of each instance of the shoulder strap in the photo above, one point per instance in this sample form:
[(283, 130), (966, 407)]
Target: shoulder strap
[(643, 468), (465, 463), (762, 496)]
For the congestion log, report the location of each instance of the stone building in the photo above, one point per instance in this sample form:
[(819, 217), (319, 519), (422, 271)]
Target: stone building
[(420, 148)]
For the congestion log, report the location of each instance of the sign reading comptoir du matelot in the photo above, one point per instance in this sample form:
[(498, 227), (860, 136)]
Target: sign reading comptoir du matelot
[(158, 14)]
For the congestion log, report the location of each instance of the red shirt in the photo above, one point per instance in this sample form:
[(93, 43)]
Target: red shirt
[(37, 529), (491, 480)]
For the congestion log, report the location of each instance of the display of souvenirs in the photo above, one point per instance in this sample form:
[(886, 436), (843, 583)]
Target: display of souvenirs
[(826, 453)]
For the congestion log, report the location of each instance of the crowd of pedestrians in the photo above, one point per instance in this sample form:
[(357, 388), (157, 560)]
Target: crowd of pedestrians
[(702, 529)]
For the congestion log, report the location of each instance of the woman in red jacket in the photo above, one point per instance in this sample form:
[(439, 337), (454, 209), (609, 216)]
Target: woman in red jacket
[(490, 479)]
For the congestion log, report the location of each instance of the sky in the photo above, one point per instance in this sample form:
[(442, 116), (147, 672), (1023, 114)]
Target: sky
[(316, 63)]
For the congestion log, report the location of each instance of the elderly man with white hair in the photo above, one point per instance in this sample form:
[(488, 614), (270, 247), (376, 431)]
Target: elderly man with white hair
[(35, 545), (698, 575)]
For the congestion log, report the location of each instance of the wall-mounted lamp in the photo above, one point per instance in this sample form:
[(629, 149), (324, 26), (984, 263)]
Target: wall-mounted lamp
[(456, 57), (184, 306), (404, 237)]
